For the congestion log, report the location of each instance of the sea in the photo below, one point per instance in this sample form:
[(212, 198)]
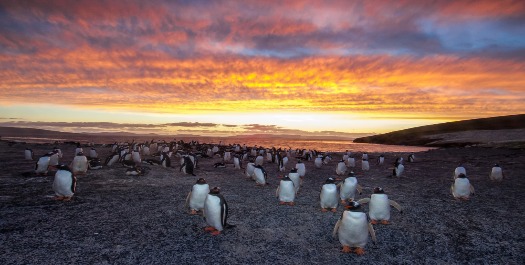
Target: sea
[(322, 145)]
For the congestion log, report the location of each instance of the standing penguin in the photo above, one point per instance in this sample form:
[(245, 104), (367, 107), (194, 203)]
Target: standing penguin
[(381, 159), (259, 160), (197, 196), (348, 188), (496, 173), (459, 170), (411, 158), (42, 165), (64, 184), (28, 154), (187, 166), (215, 212), (53, 158), (286, 191), (296, 179), (353, 228), (341, 168), (250, 167), (236, 162), (350, 162), (365, 166), (462, 189), (79, 165), (301, 168), (227, 156), (329, 197), (93, 153), (260, 175), (318, 162), (398, 169), (379, 209)]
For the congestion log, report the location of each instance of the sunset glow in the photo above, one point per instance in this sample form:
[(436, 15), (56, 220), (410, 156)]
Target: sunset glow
[(234, 67)]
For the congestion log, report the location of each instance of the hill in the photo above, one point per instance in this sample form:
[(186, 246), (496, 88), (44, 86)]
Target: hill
[(506, 131)]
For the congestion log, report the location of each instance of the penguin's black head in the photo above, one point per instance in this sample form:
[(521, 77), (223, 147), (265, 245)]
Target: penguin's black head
[(55, 151), (201, 181), (353, 206), (287, 178), (364, 159), (351, 174), (330, 180), (378, 190), (293, 170), (215, 190), (80, 153), (463, 176), (496, 165), (63, 167)]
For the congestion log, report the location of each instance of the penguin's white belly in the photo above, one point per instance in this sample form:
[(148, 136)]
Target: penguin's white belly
[(136, 157), (28, 155), (259, 176), (236, 163), (399, 170), (329, 196), (250, 167), (79, 164), (227, 156), (462, 187), (93, 153), (285, 161), (113, 160), (381, 160), (353, 230), (296, 179), (63, 183), (379, 208), (145, 151), (53, 160), (286, 191), (268, 157), (318, 162), (351, 162), (301, 169), (198, 196), (42, 165), (365, 165), (341, 168), (496, 173), (259, 161), (348, 189), (212, 212)]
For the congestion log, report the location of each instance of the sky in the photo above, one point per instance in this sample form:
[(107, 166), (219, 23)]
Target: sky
[(248, 67)]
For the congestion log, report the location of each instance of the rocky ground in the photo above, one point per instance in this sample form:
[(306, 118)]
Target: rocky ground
[(118, 219)]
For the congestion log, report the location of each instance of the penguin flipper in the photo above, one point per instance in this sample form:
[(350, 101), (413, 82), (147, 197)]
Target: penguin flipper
[(396, 205), (336, 228), (472, 191), (277, 192), (372, 232), (364, 200), (187, 200), (359, 188)]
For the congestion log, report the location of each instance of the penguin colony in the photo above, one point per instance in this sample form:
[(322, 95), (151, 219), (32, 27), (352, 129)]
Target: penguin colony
[(352, 229)]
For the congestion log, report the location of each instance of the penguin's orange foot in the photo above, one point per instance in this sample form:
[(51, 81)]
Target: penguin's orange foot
[(291, 203), (209, 229), (282, 203), (385, 222), (324, 210), (193, 212), (334, 210), (216, 233), (346, 249), (58, 198), (359, 251), (66, 199), (374, 222)]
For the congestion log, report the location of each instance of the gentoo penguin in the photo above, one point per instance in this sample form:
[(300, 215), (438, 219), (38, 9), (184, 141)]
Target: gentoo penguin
[(219, 165), (42, 165), (78, 149), (365, 166), (329, 196), (135, 156), (398, 169), (259, 160), (95, 163), (197, 196), (381, 160), (135, 171), (353, 228), (459, 170), (64, 184), (301, 168), (341, 168), (296, 179), (379, 209), (348, 188), (260, 175), (165, 159), (318, 162), (350, 162), (327, 159), (285, 161), (53, 158), (79, 165), (462, 189), (411, 158), (227, 156), (187, 167), (28, 154), (93, 153), (286, 191), (250, 167), (215, 212), (236, 162), (496, 173), (112, 159)]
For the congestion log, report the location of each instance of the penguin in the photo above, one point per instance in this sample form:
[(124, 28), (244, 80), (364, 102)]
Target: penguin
[(95, 163), (381, 160), (329, 196), (318, 162), (165, 160), (327, 159), (411, 158), (379, 209), (135, 156), (219, 165), (462, 189), (353, 228), (296, 179), (28, 154), (459, 170), (112, 159), (364, 156), (286, 192), (146, 151), (365, 166), (341, 168), (496, 173), (79, 165), (250, 167), (197, 196), (227, 156), (215, 212), (301, 168), (285, 162), (64, 184), (78, 149), (53, 158), (348, 188), (93, 153), (187, 166), (261, 177), (350, 162), (398, 170), (259, 160), (42, 165)]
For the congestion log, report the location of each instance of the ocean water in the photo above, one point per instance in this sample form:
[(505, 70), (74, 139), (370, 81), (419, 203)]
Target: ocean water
[(322, 145)]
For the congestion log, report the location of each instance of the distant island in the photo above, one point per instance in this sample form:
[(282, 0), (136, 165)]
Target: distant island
[(503, 131)]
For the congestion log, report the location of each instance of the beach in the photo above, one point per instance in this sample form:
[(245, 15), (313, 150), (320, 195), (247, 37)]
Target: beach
[(119, 219)]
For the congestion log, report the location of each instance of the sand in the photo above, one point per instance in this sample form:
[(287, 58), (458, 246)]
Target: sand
[(118, 219)]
